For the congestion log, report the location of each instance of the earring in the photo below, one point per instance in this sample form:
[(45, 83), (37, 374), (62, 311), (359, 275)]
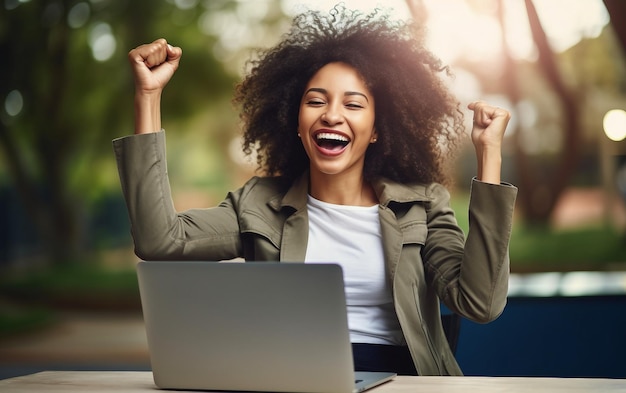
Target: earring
[(373, 140), (299, 136)]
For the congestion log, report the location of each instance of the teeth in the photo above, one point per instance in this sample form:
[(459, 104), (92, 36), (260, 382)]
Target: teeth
[(331, 136)]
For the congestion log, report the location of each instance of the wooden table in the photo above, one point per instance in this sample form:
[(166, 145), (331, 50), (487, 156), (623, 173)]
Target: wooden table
[(141, 381)]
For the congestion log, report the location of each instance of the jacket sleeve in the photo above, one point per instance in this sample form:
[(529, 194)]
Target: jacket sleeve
[(471, 277), (158, 231)]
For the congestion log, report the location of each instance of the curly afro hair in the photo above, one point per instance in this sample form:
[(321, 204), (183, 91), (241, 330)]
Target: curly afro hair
[(417, 119)]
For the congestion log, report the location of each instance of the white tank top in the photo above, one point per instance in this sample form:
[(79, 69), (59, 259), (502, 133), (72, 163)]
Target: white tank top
[(350, 236)]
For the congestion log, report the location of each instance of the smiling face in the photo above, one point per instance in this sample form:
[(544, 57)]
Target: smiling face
[(336, 121)]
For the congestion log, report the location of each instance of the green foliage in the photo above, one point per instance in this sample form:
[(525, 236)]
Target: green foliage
[(31, 301), (588, 248), (541, 248), (56, 152), (75, 285), (18, 320), (592, 62)]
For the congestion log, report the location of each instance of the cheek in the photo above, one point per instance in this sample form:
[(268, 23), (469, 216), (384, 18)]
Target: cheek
[(300, 118), (369, 125), (305, 119)]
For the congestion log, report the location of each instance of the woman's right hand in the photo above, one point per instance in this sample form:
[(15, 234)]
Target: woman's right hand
[(153, 65)]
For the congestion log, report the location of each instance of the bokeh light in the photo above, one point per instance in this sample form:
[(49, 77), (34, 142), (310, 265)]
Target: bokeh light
[(14, 103), (102, 42), (614, 124), (78, 15)]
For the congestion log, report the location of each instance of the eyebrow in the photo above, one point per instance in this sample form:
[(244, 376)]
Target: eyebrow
[(347, 93)]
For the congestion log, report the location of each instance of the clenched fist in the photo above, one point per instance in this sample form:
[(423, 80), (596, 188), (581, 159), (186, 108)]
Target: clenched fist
[(153, 65), (487, 134)]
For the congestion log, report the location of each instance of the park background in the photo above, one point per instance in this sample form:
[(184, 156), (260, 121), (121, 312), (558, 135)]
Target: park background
[(66, 91)]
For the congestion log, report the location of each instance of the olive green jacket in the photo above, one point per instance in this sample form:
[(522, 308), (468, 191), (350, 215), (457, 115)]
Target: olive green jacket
[(427, 256)]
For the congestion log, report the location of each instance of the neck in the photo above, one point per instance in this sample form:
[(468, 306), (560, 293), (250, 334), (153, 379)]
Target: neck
[(342, 190)]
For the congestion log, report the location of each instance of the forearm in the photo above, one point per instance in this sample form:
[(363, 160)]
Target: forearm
[(483, 281), (143, 175), (159, 232), (487, 135), (489, 162), (471, 276), (147, 113)]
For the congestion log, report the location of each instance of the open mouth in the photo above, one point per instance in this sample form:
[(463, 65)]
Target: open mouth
[(331, 141)]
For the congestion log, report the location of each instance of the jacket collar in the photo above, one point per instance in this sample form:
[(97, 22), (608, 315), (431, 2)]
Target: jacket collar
[(386, 190), (389, 191), (296, 196)]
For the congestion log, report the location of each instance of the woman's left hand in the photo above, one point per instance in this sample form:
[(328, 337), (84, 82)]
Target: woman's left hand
[(489, 124), (488, 130)]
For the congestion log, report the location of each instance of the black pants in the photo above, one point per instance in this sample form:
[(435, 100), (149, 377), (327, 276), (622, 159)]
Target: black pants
[(379, 357)]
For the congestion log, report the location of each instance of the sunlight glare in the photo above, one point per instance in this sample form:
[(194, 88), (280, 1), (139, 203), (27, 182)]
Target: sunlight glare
[(397, 8), (567, 22), (458, 31)]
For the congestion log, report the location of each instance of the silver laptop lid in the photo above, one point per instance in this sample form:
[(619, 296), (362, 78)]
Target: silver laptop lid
[(247, 326)]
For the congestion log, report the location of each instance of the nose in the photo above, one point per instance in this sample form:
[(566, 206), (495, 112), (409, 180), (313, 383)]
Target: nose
[(332, 116)]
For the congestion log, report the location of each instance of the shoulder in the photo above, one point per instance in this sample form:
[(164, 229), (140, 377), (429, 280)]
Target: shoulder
[(389, 191), (271, 184), (266, 193), (261, 188)]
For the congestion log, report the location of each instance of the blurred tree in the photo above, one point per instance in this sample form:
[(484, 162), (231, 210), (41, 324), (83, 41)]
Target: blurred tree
[(539, 194), (67, 91), (557, 86), (570, 77), (617, 11)]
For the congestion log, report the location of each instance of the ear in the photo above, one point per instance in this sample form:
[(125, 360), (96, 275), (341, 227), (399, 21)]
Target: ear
[(374, 137)]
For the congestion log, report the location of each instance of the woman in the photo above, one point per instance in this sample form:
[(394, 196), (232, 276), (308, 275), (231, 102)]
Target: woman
[(353, 127)]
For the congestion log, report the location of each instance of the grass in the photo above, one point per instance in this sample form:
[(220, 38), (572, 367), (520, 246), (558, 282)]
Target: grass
[(541, 249), (75, 286)]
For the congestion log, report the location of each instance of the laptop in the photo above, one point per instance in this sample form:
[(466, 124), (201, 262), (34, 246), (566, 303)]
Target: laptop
[(271, 327)]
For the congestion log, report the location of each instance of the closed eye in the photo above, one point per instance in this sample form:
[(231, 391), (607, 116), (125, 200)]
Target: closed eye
[(315, 102)]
